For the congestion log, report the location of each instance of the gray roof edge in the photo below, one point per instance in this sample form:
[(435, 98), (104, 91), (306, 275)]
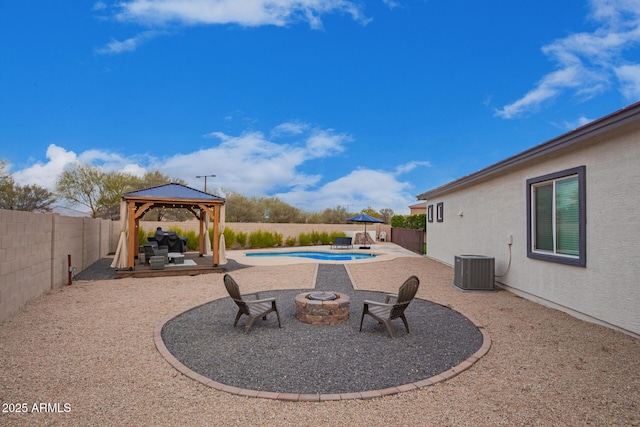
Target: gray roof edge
[(146, 192), (609, 122)]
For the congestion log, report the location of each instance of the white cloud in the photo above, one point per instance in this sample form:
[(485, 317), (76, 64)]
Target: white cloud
[(45, 174), (58, 159), (629, 76), (357, 190), (128, 45), (325, 143), (254, 165), (392, 4), (249, 13), (587, 62), (580, 121), (408, 167), (289, 129)]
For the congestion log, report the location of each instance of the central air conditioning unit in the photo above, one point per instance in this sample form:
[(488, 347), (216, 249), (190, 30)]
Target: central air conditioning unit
[(474, 273)]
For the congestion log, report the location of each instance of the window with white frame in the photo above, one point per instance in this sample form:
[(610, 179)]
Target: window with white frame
[(556, 217)]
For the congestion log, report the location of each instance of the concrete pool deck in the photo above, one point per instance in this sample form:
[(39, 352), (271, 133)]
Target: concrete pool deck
[(383, 251)]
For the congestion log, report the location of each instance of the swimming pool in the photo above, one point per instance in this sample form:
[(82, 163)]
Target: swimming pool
[(323, 256)]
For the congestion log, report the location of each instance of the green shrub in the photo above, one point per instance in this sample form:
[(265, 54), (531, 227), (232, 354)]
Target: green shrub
[(414, 222), (241, 239), (264, 239), (142, 237), (193, 240), (291, 241), (305, 239), (229, 237), (325, 238), (315, 237)]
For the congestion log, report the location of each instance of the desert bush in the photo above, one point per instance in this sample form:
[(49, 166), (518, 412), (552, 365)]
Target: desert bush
[(229, 237), (291, 241), (241, 239), (264, 239), (142, 236), (305, 239), (315, 237)]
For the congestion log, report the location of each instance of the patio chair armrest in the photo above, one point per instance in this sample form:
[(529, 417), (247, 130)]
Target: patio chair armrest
[(379, 304), (251, 294), (390, 297), (261, 300)]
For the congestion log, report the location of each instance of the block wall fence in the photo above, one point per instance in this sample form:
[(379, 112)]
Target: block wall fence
[(287, 230), (34, 252), (34, 248)]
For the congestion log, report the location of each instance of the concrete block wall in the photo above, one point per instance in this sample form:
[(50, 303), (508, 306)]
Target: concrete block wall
[(287, 230), (34, 251)]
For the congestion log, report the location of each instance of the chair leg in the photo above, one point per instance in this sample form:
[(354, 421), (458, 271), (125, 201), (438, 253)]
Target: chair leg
[(278, 315), (237, 318), (247, 326), (389, 328), (406, 324), (362, 319)]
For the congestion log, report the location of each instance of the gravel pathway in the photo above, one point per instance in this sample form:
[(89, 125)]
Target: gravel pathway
[(310, 359)]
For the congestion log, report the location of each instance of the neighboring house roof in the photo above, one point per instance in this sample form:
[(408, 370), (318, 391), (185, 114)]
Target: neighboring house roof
[(577, 136), (421, 205), (172, 191)]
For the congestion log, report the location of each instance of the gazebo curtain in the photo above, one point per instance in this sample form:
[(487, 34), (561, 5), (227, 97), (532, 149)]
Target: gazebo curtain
[(121, 257)]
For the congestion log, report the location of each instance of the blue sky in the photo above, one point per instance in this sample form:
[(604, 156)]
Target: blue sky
[(318, 102)]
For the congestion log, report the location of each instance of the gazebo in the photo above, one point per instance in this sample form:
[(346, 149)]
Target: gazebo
[(137, 203)]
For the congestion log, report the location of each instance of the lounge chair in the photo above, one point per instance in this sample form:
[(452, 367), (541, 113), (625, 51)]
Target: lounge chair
[(342, 242), (386, 312), (252, 308)]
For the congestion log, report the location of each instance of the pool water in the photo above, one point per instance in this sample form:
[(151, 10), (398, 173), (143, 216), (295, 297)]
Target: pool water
[(323, 256)]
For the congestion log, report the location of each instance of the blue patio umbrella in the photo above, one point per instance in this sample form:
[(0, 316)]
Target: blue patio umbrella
[(366, 219)]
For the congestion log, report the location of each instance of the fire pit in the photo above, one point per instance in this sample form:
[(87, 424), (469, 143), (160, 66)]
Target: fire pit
[(322, 308)]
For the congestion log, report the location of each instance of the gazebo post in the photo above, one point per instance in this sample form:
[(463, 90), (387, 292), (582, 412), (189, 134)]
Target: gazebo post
[(201, 239), (216, 230), (131, 239)]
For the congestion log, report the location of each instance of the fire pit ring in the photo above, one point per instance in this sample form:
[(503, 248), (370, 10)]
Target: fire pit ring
[(322, 308), (322, 296)]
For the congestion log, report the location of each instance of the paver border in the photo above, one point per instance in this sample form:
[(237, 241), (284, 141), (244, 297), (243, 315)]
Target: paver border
[(296, 397)]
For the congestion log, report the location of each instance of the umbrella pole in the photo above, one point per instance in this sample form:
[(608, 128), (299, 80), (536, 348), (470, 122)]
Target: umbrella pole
[(365, 238)]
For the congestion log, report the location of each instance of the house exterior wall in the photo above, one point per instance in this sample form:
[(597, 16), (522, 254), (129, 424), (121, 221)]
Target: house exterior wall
[(479, 219)]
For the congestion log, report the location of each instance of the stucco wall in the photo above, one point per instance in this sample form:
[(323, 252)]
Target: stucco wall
[(34, 251), (607, 291)]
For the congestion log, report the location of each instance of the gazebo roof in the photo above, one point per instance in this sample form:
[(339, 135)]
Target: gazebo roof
[(135, 204), (172, 191)]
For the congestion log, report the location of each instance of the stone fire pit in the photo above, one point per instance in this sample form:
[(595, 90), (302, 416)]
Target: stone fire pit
[(322, 308)]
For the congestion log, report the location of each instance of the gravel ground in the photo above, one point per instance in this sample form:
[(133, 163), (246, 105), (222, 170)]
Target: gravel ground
[(90, 346), (302, 358)]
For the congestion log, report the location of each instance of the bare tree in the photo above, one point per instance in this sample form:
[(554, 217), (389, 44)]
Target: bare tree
[(82, 185), (31, 198)]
